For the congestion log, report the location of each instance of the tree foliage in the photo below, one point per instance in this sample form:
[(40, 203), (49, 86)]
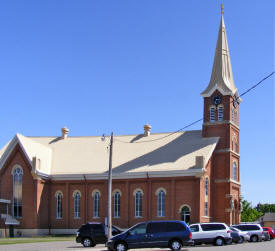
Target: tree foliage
[(249, 213), (265, 208)]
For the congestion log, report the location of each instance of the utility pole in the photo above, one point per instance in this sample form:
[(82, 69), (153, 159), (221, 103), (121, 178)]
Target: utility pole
[(110, 190)]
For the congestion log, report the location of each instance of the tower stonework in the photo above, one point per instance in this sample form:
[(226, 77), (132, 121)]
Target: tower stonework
[(221, 119)]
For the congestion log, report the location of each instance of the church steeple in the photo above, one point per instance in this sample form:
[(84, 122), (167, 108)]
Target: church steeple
[(221, 77)]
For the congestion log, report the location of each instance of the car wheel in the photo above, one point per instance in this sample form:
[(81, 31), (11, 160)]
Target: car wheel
[(254, 238), (87, 242), (241, 240), (121, 246), (175, 245), (219, 241)]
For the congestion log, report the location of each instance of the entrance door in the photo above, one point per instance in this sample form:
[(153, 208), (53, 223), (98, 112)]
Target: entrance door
[(185, 214), (11, 230)]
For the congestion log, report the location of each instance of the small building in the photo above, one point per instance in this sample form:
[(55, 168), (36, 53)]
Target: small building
[(267, 220), (55, 184)]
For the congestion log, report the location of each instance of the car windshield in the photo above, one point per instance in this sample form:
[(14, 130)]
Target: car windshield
[(234, 229)]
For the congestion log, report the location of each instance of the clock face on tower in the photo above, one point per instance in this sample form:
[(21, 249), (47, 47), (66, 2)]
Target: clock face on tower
[(216, 100)]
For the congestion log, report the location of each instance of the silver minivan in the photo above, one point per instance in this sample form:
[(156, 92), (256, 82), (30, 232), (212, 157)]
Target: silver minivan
[(255, 231), (215, 232)]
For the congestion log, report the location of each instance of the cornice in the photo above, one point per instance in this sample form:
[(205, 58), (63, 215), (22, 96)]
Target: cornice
[(223, 122), (227, 150), (227, 181)]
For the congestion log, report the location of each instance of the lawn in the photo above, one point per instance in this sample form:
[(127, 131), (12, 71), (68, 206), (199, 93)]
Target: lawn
[(19, 240)]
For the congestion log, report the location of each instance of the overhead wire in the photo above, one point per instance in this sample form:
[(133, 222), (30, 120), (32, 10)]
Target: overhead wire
[(195, 122)]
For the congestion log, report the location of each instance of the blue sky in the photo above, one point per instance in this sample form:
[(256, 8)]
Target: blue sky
[(100, 66)]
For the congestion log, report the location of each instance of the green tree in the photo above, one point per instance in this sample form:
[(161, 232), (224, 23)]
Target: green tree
[(265, 208), (249, 213)]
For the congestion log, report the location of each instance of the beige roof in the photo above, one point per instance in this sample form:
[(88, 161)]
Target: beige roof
[(268, 217), (132, 154), (221, 77)]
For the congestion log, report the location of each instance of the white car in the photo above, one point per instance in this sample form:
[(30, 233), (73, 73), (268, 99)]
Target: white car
[(215, 232)]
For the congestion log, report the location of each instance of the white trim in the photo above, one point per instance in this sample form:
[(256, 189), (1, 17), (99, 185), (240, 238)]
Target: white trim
[(221, 123), (57, 192), (138, 190), (216, 87), (76, 191), (184, 205), (95, 191), (176, 173), (227, 181), (227, 150), (117, 190), (159, 189)]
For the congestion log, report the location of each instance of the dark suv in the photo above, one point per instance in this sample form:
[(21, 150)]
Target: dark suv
[(91, 234), (153, 234)]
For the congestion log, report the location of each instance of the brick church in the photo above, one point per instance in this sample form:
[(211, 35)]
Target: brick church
[(55, 184)]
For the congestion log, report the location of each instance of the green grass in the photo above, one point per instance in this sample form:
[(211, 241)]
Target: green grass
[(20, 240)]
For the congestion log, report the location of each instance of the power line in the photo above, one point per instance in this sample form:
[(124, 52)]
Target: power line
[(195, 122)]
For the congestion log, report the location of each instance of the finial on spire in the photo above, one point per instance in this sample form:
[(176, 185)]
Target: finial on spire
[(222, 12)]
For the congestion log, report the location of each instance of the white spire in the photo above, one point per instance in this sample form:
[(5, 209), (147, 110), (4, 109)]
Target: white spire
[(221, 77)]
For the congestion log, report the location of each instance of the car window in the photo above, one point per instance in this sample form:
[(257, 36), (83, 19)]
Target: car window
[(139, 229), (212, 227), (194, 228), (156, 227), (174, 227), (98, 228)]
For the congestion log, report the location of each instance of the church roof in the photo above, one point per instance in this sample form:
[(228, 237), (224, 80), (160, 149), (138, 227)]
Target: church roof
[(133, 156), (221, 77)]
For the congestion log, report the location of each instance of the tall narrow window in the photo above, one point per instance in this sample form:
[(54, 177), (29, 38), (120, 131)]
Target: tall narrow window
[(206, 186), (234, 167), (206, 208), (17, 192), (59, 205), (117, 205), (161, 203), (77, 205), (212, 114), (138, 204), (220, 113), (206, 192), (96, 204)]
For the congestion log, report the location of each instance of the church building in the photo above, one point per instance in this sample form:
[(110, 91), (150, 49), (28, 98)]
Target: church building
[(52, 185)]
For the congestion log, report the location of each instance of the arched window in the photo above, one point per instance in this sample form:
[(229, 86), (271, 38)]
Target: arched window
[(77, 196), (206, 186), (234, 171), (138, 204), (161, 203), (212, 114), (220, 113), (59, 197), (17, 192), (117, 205), (185, 214), (96, 204)]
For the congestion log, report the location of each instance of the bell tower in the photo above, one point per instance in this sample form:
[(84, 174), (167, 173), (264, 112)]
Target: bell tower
[(221, 119)]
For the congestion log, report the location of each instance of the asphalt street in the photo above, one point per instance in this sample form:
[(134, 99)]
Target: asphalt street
[(71, 245)]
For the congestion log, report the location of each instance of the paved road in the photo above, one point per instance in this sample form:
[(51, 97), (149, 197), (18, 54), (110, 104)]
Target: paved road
[(71, 245)]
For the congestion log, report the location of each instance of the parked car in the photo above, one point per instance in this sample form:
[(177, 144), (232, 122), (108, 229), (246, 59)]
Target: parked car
[(270, 231), (236, 237), (94, 233), (153, 234), (255, 231), (244, 235), (216, 233), (266, 236)]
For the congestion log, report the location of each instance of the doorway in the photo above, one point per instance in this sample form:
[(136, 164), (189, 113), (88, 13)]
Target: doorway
[(185, 214)]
